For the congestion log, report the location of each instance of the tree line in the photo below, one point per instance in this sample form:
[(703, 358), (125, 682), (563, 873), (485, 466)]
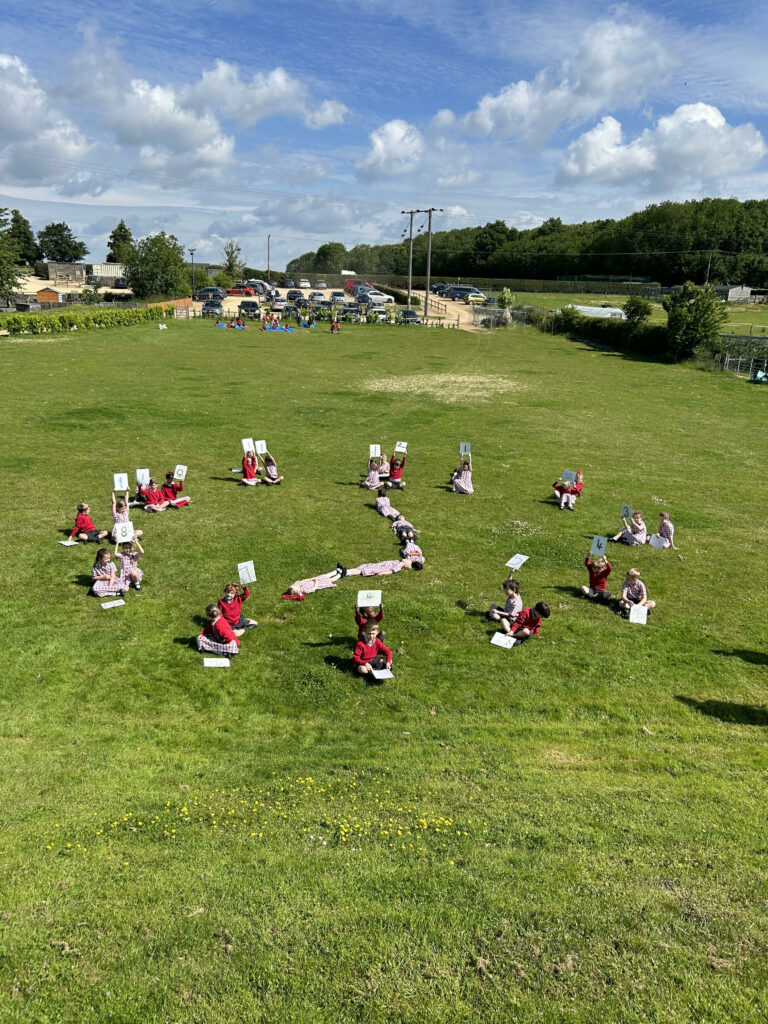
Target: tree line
[(723, 241)]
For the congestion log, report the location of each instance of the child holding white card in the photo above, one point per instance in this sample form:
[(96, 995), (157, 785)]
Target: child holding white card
[(106, 582), (370, 652), (251, 469), (128, 560), (271, 476), (633, 592), (666, 531), (384, 506), (461, 478), (372, 479), (599, 569), (512, 607), (84, 526), (635, 531), (231, 607), (152, 496), (171, 490), (384, 467), (217, 637), (572, 492), (364, 616), (396, 470), (121, 514)]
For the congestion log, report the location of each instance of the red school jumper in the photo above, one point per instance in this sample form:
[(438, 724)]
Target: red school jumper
[(527, 619), (220, 631), (361, 621), (171, 492), (597, 577), (249, 469), (396, 472), (83, 524), (151, 497), (365, 653), (234, 609)]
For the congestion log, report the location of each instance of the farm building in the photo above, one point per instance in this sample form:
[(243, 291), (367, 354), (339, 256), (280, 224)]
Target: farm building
[(108, 271), (72, 273), (733, 292), (49, 295)]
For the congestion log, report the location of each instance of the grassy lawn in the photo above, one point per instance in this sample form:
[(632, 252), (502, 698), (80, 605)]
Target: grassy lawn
[(572, 830)]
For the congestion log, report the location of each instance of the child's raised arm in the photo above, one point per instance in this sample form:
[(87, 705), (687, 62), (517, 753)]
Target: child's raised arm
[(114, 504), (136, 542)]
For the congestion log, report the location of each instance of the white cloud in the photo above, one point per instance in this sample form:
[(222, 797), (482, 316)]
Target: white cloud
[(265, 94), (695, 143), (617, 63), (396, 148)]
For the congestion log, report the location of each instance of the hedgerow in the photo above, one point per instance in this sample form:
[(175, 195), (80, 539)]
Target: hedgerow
[(58, 323)]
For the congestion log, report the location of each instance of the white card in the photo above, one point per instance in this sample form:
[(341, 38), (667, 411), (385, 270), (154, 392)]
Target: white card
[(569, 475), (626, 510), (135, 504), (180, 472), (246, 572), (599, 545), (261, 447), (368, 598), (381, 673), (120, 481), (401, 446), (517, 561), (374, 451), (123, 532), (502, 640), (216, 662), (142, 477), (68, 543), (638, 613), (656, 541), (248, 445), (112, 604), (465, 448)]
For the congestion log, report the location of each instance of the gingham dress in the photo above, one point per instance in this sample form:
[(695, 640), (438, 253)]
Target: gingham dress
[(102, 588), (271, 470), (204, 643), (372, 480), (514, 605), (634, 534), (667, 531), (635, 592), (462, 484), (119, 517), (413, 551), (375, 568), (384, 508), (128, 564), (318, 583)]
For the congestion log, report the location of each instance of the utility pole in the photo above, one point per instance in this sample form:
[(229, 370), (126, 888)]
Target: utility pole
[(268, 238), (410, 245), (192, 254), (708, 268), (430, 211)]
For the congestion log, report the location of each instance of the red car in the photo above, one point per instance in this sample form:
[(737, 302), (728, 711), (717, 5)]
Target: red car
[(349, 285), (241, 290)]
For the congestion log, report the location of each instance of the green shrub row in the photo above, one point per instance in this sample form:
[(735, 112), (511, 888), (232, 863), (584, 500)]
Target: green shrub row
[(57, 323), (648, 340)]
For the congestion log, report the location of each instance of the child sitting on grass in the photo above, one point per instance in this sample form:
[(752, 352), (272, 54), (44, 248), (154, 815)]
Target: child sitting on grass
[(231, 608), (217, 637), (461, 478), (512, 607), (635, 531), (121, 514), (251, 469), (633, 592), (572, 492), (271, 475), (599, 569), (364, 616), (528, 622), (84, 527), (370, 653), (666, 531), (106, 582), (372, 479), (128, 559)]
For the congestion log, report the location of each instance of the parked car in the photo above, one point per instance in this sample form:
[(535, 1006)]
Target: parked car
[(259, 287), (458, 292), (437, 285), (302, 303), (120, 282), (304, 283), (213, 307), (338, 297), (272, 293), (408, 316), (249, 309), (316, 296), (294, 294), (240, 289), (289, 309), (474, 298), (212, 292), (289, 283), (92, 279), (322, 304), (376, 298), (380, 312), (353, 283), (360, 289), (278, 304), (320, 284), (441, 289)]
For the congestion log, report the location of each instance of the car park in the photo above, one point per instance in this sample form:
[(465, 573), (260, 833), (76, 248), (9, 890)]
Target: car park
[(304, 283), (249, 309), (379, 312), (294, 294), (377, 298), (278, 304), (474, 298), (320, 284), (212, 292), (338, 297), (213, 307), (240, 289), (408, 316), (316, 296)]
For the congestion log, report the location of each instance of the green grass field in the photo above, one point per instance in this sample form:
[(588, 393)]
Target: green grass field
[(570, 831)]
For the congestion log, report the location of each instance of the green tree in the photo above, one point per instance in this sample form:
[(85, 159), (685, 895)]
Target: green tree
[(506, 299), (58, 244), (121, 244), (23, 237), (156, 267), (233, 258), (330, 258), (304, 262), (9, 257), (695, 317), (224, 279), (637, 310)]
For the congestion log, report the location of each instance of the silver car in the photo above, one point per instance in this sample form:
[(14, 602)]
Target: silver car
[(278, 304)]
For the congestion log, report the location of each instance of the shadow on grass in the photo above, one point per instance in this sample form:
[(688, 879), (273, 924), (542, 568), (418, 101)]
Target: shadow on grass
[(752, 657), (727, 711), (186, 641), (227, 479), (336, 641), (198, 620), (336, 661), (478, 613)]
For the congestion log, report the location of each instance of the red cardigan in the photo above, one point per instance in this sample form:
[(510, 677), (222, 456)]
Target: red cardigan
[(365, 653)]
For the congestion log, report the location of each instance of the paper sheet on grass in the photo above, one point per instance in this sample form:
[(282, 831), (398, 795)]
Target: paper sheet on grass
[(502, 640), (381, 673), (120, 481), (246, 572), (599, 545), (112, 604), (638, 613), (517, 561), (656, 541), (215, 662), (368, 598), (68, 543)]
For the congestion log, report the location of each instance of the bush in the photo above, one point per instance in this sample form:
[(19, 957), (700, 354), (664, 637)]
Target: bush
[(649, 340), (398, 296), (55, 323), (41, 270)]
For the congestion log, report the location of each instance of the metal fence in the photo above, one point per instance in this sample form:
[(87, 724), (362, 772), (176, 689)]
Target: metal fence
[(745, 364)]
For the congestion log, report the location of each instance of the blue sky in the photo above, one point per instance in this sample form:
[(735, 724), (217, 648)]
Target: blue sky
[(316, 122)]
